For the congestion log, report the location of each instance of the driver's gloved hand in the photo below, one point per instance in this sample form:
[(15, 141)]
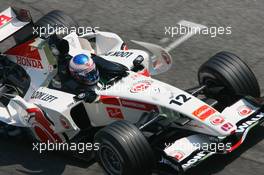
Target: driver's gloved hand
[(54, 50), (59, 46)]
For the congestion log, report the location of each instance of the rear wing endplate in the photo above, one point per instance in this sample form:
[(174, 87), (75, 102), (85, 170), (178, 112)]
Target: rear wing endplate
[(12, 20)]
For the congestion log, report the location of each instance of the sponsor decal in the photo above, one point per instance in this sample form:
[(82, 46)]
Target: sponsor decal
[(120, 54), (217, 120), (243, 127), (43, 96), (244, 110), (204, 112), (114, 113), (178, 155), (64, 122), (138, 105), (29, 62), (26, 55), (227, 126), (4, 19), (140, 86), (252, 121), (198, 157)]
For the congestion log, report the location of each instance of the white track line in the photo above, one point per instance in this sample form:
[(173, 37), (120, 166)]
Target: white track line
[(183, 38)]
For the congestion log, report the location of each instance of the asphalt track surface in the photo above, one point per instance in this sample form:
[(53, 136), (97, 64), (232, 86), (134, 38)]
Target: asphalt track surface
[(145, 21)]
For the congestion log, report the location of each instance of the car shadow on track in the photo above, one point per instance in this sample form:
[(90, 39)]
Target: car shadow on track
[(19, 155)]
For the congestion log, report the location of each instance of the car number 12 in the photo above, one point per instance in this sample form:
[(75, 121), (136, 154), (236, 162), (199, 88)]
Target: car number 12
[(180, 99)]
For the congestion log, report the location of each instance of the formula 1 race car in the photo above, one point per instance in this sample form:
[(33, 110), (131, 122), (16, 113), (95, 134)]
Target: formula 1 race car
[(141, 124)]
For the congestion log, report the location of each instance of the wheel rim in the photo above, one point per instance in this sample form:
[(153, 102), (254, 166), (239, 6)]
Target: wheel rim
[(110, 160), (210, 82)]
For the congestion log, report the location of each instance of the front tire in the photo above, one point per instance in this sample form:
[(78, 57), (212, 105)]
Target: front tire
[(228, 71), (123, 150)]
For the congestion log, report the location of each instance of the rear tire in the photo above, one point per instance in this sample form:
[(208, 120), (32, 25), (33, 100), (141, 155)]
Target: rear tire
[(228, 71), (56, 18), (124, 150)]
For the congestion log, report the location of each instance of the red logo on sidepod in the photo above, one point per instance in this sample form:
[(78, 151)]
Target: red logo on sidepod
[(114, 113)]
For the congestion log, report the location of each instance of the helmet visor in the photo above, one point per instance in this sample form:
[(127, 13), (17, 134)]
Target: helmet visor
[(90, 77)]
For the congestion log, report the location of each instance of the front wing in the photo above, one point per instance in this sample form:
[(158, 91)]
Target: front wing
[(189, 151)]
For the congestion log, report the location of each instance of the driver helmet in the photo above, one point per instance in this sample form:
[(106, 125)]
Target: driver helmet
[(83, 69)]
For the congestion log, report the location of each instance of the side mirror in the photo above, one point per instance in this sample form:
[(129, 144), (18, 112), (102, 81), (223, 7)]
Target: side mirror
[(137, 63), (159, 62)]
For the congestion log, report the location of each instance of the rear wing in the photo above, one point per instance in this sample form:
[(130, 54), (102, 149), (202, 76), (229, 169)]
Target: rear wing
[(12, 20)]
